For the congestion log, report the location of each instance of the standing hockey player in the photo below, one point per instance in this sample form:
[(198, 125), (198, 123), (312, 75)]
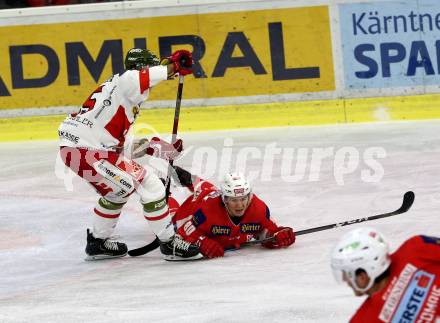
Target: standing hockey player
[(401, 287), (92, 142), (216, 220)]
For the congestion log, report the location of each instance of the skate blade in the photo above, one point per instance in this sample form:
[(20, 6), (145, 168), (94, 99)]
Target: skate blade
[(177, 258), (102, 257)]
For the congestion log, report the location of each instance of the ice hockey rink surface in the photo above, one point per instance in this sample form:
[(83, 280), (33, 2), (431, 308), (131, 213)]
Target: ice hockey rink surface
[(44, 277)]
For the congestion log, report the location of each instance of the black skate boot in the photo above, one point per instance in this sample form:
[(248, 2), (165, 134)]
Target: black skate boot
[(178, 249), (98, 249)]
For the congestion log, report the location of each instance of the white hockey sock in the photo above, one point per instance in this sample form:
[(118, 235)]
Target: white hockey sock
[(105, 218), (160, 222), (155, 207)]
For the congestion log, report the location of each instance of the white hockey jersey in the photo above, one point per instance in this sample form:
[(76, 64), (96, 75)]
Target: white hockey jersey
[(105, 118)]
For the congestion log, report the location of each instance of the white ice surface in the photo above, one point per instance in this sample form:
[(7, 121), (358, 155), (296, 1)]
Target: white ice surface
[(43, 277)]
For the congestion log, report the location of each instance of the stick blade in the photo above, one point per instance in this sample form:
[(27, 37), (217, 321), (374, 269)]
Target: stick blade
[(145, 249), (408, 200)]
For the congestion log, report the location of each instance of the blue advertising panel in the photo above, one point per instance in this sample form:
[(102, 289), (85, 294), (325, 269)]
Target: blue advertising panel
[(390, 44)]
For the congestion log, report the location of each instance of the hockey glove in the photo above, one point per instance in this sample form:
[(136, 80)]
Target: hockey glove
[(284, 237), (182, 61), (210, 248), (161, 149)]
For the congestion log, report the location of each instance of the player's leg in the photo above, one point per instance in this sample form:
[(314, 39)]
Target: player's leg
[(108, 208), (100, 244), (130, 176), (157, 213), (155, 207), (152, 197)]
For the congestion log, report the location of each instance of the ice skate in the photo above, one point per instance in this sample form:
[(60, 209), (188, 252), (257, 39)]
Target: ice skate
[(98, 249), (178, 249)]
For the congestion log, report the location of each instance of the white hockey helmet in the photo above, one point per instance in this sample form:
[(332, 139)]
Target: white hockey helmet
[(235, 185), (362, 248)]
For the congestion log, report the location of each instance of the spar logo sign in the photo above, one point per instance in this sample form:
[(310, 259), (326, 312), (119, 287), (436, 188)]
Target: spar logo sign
[(390, 44)]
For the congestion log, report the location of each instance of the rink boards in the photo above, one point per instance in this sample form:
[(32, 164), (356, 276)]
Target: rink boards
[(266, 64), (246, 116)]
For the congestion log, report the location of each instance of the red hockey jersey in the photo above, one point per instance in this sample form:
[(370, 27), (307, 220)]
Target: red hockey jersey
[(204, 214), (413, 290)]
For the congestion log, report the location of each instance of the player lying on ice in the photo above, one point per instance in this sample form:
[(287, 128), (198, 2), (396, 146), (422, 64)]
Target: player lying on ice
[(401, 287), (92, 142), (214, 220)]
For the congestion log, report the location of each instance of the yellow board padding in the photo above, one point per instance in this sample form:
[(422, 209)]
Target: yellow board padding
[(304, 33), (247, 116)]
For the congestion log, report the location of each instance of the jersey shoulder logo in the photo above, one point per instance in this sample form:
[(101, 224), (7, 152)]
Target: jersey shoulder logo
[(199, 218)]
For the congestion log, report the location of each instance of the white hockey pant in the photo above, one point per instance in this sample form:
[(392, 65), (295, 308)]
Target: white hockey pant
[(152, 196)]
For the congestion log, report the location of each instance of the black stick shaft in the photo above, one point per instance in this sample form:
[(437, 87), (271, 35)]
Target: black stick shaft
[(155, 243), (175, 127), (408, 200)]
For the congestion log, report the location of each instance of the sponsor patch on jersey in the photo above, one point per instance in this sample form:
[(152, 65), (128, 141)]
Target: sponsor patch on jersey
[(220, 230), (199, 218), (82, 120), (68, 136), (398, 288), (431, 307), (133, 168), (114, 174), (250, 227), (414, 297), (433, 240)]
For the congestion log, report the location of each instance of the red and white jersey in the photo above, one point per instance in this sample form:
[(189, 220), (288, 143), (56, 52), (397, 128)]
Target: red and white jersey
[(204, 214), (106, 116), (413, 291)]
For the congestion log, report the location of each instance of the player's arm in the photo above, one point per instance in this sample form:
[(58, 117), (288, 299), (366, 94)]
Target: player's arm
[(180, 62), (284, 236), (157, 147), (193, 182), (196, 231), (134, 84), (139, 147)]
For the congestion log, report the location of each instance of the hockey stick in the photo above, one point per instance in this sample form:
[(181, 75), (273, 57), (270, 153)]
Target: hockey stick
[(174, 136), (408, 200), (155, 243)]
